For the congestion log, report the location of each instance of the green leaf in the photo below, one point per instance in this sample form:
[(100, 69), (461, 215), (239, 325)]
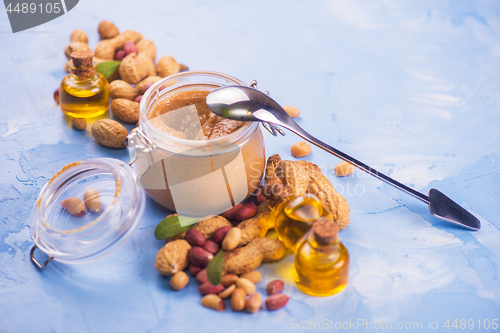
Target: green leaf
[(214, 269), (108, 68), (169, 227)]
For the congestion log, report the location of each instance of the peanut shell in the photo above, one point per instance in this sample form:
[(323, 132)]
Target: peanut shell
[(79, 123), (127, 36), (79, 36), (105, 49), (132, 69), (147, 63), (125, 110), (75, 46), (146, 47), (172, 257), (121, 89), (107, 30), (140, 87), (109, 133), (167, 65)]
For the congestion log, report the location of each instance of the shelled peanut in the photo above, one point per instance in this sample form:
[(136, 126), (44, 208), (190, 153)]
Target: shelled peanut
[(179, 280), (79, 123), (300, 149), (344, 169)]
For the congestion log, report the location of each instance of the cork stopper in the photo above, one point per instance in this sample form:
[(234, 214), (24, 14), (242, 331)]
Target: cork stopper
[(83, 63), (325, 231)]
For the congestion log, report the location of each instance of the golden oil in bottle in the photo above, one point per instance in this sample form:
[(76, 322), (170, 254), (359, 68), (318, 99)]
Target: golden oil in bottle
[(84, 92), (295, 218), (321, 261)]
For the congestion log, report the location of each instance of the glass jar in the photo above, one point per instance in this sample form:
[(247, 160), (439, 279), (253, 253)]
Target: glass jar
[(195, 178), (73, 239)]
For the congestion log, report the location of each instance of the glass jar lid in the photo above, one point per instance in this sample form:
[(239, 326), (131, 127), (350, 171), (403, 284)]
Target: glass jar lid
[(86, 210)]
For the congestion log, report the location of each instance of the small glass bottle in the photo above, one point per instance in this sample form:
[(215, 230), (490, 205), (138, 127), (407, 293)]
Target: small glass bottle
[(295, 217), (84, 92), (322, 261)]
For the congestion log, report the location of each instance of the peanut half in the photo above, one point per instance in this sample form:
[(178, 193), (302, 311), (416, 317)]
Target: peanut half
[(227, 292), (300, 149), (292, 112), (179, 280), (344, 169), (253, 276), (254, 303), (229, 279), (92, 200), (79, 123), (238, 299), (213, 302), (246, 285), (74, 206)]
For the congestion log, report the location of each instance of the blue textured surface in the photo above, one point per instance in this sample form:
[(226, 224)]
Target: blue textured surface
[(411, 88)]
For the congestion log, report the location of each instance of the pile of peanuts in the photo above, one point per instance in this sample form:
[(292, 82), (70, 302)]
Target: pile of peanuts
[(241, 290), (138, 71)]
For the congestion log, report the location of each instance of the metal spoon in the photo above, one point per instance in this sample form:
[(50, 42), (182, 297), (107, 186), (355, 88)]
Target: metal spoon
[(249, 104)]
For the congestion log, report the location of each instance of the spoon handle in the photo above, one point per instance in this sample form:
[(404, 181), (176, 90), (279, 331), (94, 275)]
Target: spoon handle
[(292, 126)]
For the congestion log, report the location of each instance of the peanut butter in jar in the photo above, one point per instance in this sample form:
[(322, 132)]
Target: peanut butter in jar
[(203, 164)]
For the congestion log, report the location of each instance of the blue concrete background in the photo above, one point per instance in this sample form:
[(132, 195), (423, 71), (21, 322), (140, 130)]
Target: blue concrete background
[(411, 88)]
